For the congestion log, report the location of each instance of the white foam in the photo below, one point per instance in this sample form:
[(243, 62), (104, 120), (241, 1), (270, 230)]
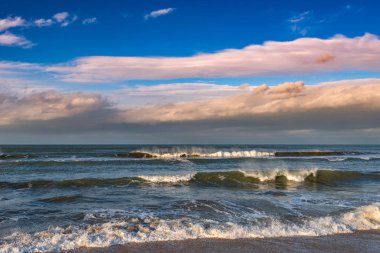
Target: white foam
[(337, 159), (212, 154), (116, 232), (168, 179), (292, 175), (262, 175)]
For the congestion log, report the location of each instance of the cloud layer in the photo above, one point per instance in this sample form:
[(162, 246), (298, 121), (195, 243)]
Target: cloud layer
[(39, 107), (288, 108), (286, 104), (301, 56)]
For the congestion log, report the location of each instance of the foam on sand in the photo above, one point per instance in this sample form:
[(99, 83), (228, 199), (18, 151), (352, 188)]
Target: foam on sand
[(154, 229)]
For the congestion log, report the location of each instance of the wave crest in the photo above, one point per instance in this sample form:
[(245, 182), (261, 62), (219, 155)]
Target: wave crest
[(239, 179), (196, 154)]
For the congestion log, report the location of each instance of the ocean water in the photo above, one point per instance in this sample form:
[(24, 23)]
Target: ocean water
[(55, 198)]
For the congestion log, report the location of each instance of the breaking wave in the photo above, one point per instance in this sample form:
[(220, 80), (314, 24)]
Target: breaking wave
[(128, 230), (208, 153), (239, 179), (193, 153), (196, 154)]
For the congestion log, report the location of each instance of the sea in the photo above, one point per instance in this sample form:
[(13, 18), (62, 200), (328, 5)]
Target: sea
[(63, 197)]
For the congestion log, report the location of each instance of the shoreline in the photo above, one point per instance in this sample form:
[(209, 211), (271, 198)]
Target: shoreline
[(360, 241)]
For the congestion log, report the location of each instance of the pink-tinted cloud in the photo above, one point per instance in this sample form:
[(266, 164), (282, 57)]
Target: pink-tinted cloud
[(45, 105), (10, 39), (17, 69), (305, 55), (11, 22), (61, 16), (172, 93), (285, 100), (337, 109)]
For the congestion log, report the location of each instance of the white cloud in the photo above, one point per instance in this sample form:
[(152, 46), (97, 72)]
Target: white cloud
[(157, 13), (19, 66), (299, 17), (172, 93), (70, 21), (22, 87), (64, 18), (9, 39), (301, 56), (61, 16), (43, 22), (88, 21), (11, 22), (299, 23)]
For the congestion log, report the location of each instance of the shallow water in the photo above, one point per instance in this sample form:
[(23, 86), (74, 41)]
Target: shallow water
[(65, 197)]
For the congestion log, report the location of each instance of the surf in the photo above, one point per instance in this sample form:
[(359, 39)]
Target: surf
[(238, 179), (134, 229)]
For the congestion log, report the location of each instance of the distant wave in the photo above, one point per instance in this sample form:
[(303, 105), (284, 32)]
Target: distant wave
[(60, 199), (193, 153), (13, 156), (196, 154), (124, 231), (230, 154), (313, 153), (239, 179)]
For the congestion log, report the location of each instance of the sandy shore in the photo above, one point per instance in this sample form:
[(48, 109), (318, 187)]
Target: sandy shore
[(364, 241)]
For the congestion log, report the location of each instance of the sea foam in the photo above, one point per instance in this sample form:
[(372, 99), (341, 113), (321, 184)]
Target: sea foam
[(154, 229)]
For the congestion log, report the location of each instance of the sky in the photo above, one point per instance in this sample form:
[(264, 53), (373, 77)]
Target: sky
[(189, 72)]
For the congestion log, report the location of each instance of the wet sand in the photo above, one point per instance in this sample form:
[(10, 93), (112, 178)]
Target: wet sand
[(363, 242)]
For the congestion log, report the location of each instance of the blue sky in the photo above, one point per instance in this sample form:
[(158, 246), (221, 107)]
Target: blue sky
[(164, 48), (193, 27)]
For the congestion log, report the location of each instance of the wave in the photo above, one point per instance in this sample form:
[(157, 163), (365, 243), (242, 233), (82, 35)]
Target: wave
[(204, 153), (313, 153), (169, 179), (251, 179), (83, 182), (60, 199), (13, 156), (295, 176), (353, 158), (196, 154), (239, 179), (124, 231)]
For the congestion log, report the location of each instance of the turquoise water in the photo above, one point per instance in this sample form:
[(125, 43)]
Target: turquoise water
[(65, 197)]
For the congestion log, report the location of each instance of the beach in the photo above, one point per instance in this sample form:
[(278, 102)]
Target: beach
[(364, 242)]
